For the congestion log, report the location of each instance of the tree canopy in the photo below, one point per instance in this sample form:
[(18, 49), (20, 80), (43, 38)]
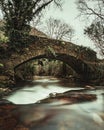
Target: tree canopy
[(18, 15)]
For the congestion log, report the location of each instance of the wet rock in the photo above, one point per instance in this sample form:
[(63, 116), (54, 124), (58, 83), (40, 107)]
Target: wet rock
[(4, 91), (4, 102), (53, 94), (68, 98), (45, 117), (89, 87)]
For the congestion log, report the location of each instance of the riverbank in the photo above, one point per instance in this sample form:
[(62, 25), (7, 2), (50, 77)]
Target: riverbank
[(6, 91)]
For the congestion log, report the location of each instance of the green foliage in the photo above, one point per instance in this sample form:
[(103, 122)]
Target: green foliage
[(51, 51), (1, 68), (18, 14), (3, 38), (28, 69), (1, 65), (24, 71)]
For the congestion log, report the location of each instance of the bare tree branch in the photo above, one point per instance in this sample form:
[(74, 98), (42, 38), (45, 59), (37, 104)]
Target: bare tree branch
[(58, 29), (95, 31)]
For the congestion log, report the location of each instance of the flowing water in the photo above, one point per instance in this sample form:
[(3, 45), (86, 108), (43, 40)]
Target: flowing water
[(79, 116), (39, 89)]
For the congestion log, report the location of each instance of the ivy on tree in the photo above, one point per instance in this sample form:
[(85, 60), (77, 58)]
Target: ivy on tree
[(18, 14)]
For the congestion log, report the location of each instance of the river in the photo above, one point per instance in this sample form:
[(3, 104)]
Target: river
[(58, 115)]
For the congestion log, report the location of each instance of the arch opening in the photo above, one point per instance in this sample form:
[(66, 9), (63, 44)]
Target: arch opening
[(44, 67), (81, 68)]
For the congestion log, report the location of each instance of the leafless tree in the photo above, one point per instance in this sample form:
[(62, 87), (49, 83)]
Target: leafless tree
[(58, 29), (94, 10), (96, 33)]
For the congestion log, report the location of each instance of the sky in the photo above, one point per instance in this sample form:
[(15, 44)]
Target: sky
[(69, 14)]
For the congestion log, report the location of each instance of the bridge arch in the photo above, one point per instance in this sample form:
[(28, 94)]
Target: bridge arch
[(80, 59), (77, 65)]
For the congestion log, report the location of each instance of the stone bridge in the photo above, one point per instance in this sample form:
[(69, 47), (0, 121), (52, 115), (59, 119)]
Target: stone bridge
[(81, 59)]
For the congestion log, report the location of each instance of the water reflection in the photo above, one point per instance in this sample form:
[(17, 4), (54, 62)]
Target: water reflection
[(81, 116), (46, 85)]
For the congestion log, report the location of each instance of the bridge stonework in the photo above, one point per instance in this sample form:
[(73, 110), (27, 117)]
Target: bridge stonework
[(42, 46), (81, 59)]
